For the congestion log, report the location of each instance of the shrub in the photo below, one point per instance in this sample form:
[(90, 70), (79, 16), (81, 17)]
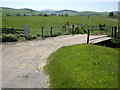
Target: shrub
[(31, 37), (82, 31), (8, 14), (111, 14), (34, 37), (66, 14), (45, 15), (116, 41), (18, 14), (38, 35), (28, 38), (9, 38), (77, 30), (21, 38)]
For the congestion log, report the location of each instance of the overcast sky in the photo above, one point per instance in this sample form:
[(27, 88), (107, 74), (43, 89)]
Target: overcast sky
[(79, 5)]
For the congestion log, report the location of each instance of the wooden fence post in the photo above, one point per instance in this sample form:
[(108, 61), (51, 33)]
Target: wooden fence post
[(118, 29), (88, 36), (27, 30), (115, 32), (42, 33), (112, 32), (92, 27), (12, 30), (72, 29), (51, 32), (65, 28)]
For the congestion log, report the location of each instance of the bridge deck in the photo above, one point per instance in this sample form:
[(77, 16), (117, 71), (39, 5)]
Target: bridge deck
[(96, 39)]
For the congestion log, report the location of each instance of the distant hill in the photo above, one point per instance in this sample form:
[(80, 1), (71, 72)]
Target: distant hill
[(11, 11), (61, 11), (29, 9), (26, 11), (88, 12), (48, 11), (57, 12), (69, 12)]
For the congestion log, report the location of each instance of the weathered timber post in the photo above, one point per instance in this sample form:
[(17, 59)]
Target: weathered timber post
[(100, 26), (27, 30), (65, 28), (112, 32), (119, 30), (92, 27), (88, 36), (42, 33), (12, 30), (115, 32), (72, 29), (51, 32)]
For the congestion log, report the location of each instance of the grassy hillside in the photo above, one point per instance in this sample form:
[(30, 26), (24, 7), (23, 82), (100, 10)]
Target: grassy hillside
[(13, 12), (83, 66), (68, 12), (88, 12), (27, 11)]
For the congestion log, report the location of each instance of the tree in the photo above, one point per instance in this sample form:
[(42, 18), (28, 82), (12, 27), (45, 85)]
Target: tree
[(111, 14), (66, 14), (8, 14), (40, 14), (24, 14), (45, 15), (18, 14), (59, 14)]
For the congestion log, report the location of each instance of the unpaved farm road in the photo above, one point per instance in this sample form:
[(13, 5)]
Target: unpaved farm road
[(22, 63)]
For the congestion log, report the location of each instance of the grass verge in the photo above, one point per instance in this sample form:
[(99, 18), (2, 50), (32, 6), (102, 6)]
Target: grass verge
[(83, 66)]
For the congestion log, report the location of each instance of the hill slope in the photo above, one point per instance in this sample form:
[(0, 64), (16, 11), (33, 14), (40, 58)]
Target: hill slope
[(26, 11), (11, 11)]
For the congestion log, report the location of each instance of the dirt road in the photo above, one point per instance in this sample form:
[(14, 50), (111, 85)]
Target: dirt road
[(22, 63)]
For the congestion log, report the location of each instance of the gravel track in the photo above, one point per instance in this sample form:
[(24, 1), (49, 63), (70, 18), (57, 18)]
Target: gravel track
[(22, 62)]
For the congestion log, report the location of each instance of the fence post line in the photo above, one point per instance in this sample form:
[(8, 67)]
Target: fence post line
[(115, 32), (51, 32), (42, 33), (88, 36)]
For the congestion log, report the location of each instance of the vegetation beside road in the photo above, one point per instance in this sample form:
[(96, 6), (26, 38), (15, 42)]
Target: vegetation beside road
[(83, 66)]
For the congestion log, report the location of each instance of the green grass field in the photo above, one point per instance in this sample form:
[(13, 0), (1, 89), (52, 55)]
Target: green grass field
[(83, 66), (36, 22)]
